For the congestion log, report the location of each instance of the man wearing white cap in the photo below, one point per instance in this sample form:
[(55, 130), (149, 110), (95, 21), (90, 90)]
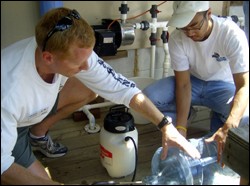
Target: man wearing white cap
[(210, 59)]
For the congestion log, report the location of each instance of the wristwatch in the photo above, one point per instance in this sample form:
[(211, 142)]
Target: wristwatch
[(166, 120)]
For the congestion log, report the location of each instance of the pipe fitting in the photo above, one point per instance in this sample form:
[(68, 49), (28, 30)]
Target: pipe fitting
[(164, 36), (144, 25), (153, 39), (154, 11)]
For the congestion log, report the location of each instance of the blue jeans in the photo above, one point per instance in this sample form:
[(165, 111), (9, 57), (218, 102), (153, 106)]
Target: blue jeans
[(216, 95)]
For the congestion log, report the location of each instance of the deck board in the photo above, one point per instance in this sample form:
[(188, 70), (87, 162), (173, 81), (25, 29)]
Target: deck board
[(82, 165)]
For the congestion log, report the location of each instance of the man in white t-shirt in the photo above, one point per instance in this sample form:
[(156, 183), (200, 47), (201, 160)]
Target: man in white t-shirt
[(46, 78), (210, 59)]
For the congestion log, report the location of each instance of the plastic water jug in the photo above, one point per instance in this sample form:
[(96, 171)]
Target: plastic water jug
[(181, 169), (118, 143)]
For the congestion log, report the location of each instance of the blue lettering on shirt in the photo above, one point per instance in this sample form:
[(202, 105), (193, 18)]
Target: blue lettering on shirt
[(116, 76)]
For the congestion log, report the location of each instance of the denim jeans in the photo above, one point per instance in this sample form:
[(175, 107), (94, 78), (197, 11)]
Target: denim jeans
[(216, 95)]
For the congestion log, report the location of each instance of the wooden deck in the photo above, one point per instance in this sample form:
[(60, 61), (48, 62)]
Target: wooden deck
[(82, 165)]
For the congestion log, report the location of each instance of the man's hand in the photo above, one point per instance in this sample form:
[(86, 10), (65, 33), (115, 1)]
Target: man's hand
[(172, 138), (220, 137), (182, 130), (183, 133)]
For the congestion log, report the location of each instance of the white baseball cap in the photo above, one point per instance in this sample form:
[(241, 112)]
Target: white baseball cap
[(184, 12)]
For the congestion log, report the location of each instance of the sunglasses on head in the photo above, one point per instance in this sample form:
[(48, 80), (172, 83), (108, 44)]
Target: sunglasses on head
[(63, 24)]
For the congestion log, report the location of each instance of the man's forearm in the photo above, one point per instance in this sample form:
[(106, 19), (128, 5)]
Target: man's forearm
[(141, 104), (183, 100), (240, 101)]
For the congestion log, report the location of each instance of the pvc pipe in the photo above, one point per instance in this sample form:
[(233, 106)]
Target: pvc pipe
[(86, 108), (97, 105), (152, 72), (153, 48), (166, 63), (90, 117), (155, 24)]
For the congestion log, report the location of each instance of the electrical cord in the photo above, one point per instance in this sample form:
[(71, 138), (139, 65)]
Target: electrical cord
[(136, 157)]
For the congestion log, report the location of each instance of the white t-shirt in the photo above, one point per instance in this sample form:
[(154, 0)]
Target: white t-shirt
[(223, 53), (26, 99)]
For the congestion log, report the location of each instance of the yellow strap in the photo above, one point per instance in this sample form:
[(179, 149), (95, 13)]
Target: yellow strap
[(181, 127)]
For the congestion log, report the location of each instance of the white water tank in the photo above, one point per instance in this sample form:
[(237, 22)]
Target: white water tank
[(117, 155)]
